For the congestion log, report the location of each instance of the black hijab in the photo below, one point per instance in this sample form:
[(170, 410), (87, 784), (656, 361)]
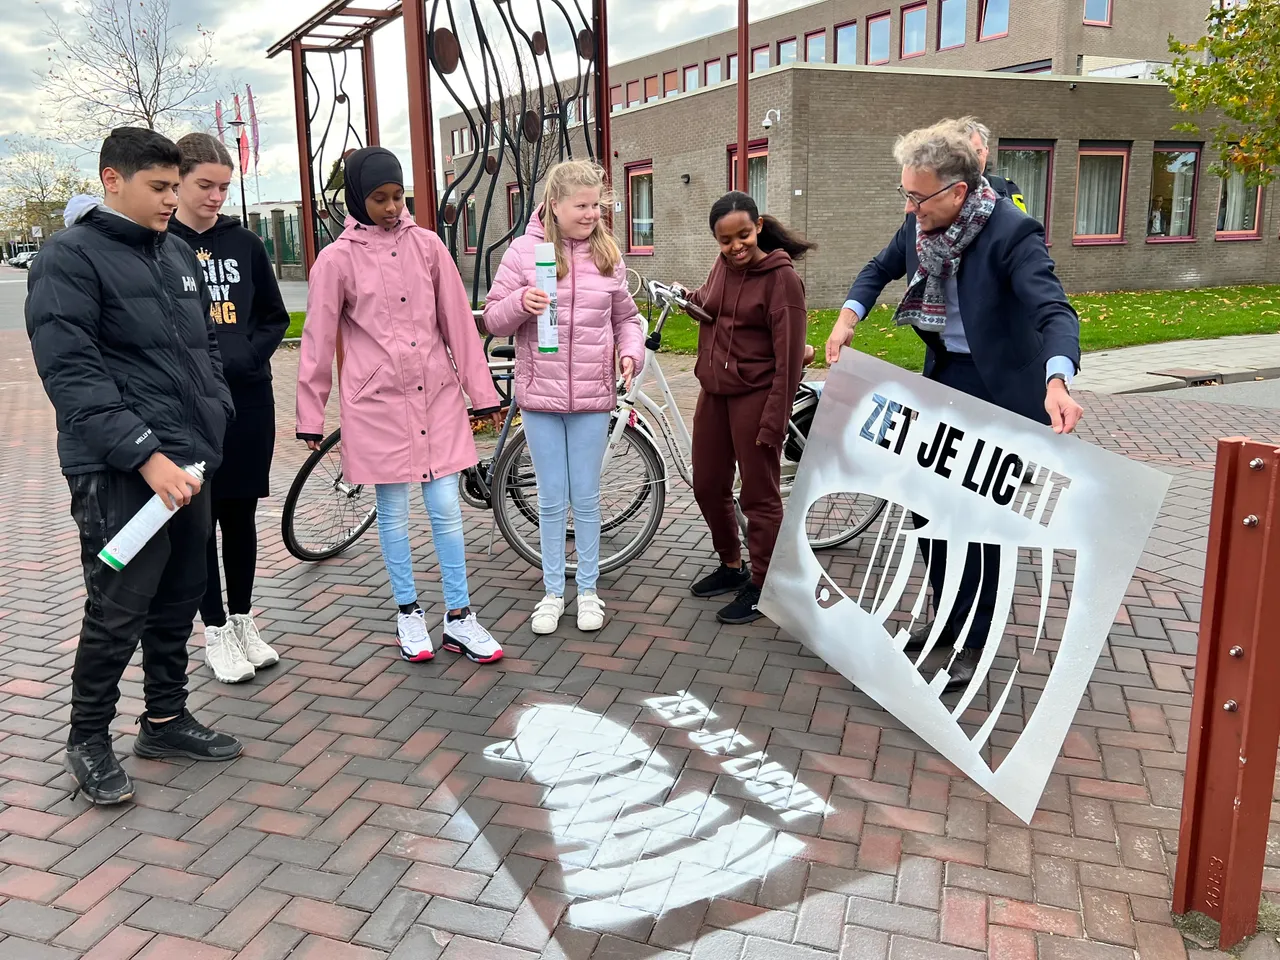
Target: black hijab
[(364, 172)]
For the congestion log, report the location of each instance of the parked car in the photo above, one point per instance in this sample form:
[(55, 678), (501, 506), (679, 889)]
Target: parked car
[(23, 260)]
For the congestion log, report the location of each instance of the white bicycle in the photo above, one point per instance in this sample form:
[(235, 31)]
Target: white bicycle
[(633, 486)]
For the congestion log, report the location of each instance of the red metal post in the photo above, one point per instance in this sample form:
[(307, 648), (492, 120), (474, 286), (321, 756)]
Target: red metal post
[(1235, 715), (421, 135), (372, 134), (604, 105), (304, 157), (744, 73)]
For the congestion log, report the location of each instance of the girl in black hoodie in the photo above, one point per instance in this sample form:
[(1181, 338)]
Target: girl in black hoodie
[(751, 350), (250, 319)]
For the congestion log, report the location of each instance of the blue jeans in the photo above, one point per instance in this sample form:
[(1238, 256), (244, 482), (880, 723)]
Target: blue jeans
[(564, 479), (445, 509)]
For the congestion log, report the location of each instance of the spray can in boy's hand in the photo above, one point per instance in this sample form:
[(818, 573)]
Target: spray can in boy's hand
[(144, 525), (544, 260)]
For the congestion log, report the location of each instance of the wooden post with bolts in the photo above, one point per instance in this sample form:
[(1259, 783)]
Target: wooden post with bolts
[(1235, 715)]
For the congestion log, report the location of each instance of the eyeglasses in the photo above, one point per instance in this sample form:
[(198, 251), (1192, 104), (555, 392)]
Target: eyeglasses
[(919, 202)]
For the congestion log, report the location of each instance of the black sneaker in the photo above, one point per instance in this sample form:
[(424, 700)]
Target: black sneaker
[(724, 580), (742, 609), (97, 772), (183, 737)]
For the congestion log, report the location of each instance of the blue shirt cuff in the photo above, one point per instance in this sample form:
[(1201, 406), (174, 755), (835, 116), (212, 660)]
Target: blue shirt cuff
[(856, 307), (1060, 365)]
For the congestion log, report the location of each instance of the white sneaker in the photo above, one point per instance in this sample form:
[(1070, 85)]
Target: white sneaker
[(223, 653), (415, 639), (467, 636), (546, 615), (590, 612), (256, 650)]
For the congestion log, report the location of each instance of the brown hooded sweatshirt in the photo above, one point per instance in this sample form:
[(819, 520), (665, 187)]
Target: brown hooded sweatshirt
[(755, 339)]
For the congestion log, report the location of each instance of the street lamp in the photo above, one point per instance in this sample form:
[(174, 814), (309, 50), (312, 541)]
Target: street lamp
[(238, 126)]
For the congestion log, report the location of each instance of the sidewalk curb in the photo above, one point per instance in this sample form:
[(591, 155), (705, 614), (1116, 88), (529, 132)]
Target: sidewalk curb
[(1206, 378)]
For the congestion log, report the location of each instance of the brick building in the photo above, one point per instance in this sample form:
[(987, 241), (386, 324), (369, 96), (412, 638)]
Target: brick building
[(1128, 202)]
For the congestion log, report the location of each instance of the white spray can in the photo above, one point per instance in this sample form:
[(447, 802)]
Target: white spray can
[(544, 260), (144, 525)]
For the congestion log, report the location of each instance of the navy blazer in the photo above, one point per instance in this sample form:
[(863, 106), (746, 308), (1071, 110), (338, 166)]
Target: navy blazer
[(1015, 312)]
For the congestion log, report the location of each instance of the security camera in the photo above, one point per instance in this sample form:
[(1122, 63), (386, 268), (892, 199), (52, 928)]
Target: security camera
[(767, 122), (769, 118)]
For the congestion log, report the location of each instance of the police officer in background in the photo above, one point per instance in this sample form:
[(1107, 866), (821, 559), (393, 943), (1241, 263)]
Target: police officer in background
[(980, 136)]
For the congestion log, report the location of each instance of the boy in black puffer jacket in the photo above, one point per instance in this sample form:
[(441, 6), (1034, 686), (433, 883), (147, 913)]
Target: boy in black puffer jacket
[(120, 331)]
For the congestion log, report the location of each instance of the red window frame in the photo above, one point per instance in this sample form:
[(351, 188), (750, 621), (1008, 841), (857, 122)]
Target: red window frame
[(670, 82), (796, 41), (639, 168), (706, 74), (1098, 23), (907, 8), (756, 50), (466, 223), (809, 36), (732, 68), (964, 27), (887, 17), (1042, 147), (633, 85), (835, 41), (513, 196), (697, 77), (1236, 235), (755, 148), (982, 16), (1101, 239), (1195, 189), (654, 96), (615, 98)]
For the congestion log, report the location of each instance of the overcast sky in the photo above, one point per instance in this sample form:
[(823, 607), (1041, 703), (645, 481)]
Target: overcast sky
[(243, 29)]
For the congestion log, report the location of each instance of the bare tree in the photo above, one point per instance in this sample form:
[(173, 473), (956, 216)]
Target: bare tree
[(35, 184), (121, 63)]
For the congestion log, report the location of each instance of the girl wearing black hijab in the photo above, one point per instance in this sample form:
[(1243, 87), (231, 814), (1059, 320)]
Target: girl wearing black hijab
[(410, 348)]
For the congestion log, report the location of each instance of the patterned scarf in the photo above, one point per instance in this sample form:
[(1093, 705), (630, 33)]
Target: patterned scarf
[(925, 304)]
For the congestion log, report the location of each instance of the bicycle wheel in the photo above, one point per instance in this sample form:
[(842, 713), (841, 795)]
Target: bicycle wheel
[(632, 500), (323, 513)]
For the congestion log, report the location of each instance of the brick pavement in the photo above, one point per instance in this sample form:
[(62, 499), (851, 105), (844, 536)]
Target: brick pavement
[(667, 788)]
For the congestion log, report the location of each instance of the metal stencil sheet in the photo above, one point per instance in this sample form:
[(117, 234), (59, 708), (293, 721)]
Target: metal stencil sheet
[(954, 465)]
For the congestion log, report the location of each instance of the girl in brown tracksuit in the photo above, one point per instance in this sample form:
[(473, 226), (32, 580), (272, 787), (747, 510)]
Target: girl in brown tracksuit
[(751, 348)]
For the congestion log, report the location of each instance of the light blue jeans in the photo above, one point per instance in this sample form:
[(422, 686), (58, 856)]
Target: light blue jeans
[(568, 452), (443, 506)]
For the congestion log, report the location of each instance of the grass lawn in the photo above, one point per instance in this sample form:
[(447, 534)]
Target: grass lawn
[(1107, 320)]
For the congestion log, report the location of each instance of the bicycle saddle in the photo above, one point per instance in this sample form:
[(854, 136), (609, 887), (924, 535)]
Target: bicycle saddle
[(503, 351)]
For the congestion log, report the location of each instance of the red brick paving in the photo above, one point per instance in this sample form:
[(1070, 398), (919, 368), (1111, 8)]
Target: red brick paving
[(381, 810)]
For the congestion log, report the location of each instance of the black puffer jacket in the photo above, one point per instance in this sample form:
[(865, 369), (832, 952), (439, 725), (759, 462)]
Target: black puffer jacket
[(118, 317)]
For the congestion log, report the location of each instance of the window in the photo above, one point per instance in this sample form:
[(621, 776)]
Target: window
[(1030, 166), (1097, 12), (1239, 206), (815, 47), (640, 208), (1174, 176), (691, 78), (759, 59), (787, 51), (878, 39), (914, 22), (570, 113), (513, 205), (757, 172), (951, 23), (650, 89), (1100, 191), (671, 83), (615, 98), (470, 218), (712, 72), (847, 43), (733, 66), (993, 19), (633, 92)]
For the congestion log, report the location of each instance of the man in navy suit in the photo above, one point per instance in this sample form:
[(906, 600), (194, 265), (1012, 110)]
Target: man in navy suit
[(995, 321)]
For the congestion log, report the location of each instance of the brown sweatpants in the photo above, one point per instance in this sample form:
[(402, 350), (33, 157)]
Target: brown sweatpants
[(724, 435)]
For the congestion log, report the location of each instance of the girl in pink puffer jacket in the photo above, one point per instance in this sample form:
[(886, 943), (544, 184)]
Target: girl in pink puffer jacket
[(566, 397)]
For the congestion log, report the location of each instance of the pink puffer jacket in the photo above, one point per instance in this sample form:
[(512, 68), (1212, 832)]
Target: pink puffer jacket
[(596, 315)]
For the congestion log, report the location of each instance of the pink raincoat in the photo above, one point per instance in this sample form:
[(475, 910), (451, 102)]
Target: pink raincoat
[(410, 346), (595, 313)]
